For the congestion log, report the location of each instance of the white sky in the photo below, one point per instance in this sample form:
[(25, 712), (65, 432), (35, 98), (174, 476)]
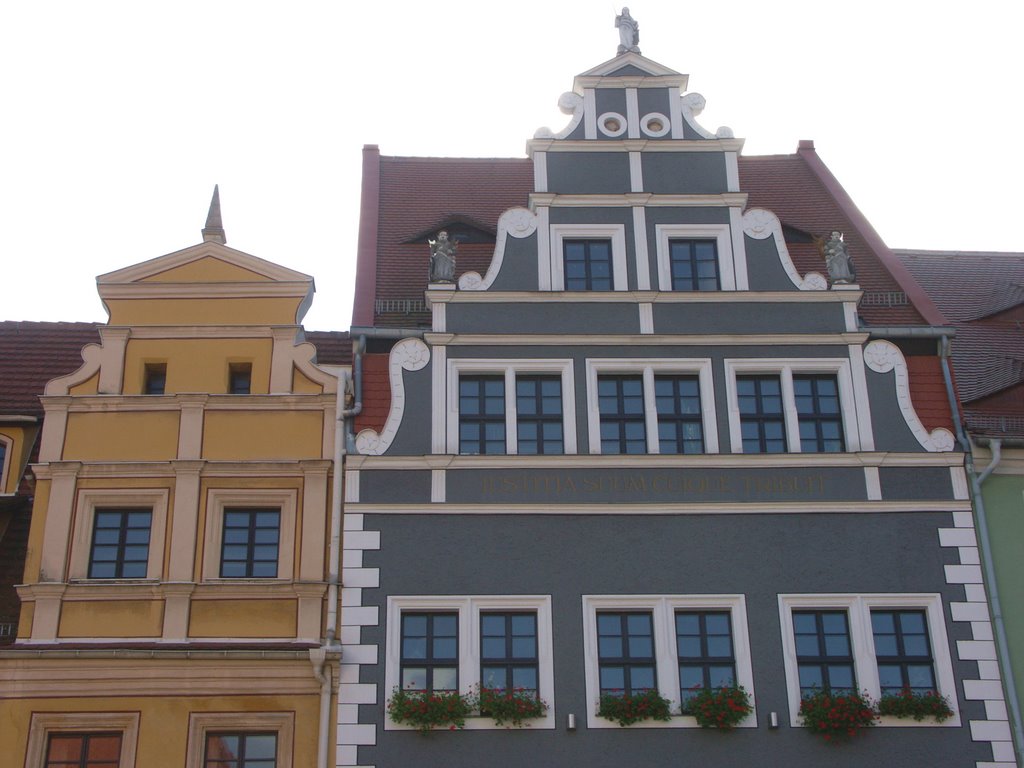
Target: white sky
[(117, 118)]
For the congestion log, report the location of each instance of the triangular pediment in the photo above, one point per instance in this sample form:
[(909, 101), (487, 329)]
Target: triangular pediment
[(632, 66), (204, 263)]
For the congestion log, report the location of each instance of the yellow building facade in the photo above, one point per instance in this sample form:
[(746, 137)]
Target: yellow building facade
[(178, 604)]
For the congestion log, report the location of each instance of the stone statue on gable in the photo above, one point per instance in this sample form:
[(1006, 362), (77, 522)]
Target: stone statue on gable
[(837, 260), (629, 33), (442, 259)]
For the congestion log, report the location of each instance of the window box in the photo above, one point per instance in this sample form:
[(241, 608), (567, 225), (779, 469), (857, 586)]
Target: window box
[(722, 708), (627, 709), (837, 717)]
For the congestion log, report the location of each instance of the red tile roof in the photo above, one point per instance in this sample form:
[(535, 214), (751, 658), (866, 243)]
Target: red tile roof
[(982, 293), (33, 353), (332, 347), (412, 195)]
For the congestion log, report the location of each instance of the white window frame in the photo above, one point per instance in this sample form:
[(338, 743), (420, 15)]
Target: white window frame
[(200, 723), (91, 499), (559, 233), (858, 609), (649, 369), (469, 608), (785, 368), (510, 369), (722, 234), (662, 609), (218, 499), (6, 460), (44, 724)]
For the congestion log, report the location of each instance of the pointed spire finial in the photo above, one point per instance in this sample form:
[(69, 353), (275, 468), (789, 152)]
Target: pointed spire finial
[(213, 232)]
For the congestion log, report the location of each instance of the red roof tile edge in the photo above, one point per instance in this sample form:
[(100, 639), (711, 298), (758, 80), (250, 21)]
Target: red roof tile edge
[(922, 302), (366, 254)]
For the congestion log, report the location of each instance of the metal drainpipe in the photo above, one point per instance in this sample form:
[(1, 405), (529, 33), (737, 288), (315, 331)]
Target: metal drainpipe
[(981, 522)]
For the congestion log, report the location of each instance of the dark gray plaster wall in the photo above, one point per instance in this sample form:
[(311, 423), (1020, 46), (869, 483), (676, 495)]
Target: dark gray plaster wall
[(518, 266), (413, 436), (759, 556), (395, 486), (887, 421), (653, 100), (545, 318), (588, 173), (748, 318), (634, 485), (924, 483), (609, 100), (684, 173), (764, 269)]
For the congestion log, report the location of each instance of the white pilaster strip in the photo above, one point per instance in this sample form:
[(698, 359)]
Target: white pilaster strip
[(643, 259), (632, 114), (439, 316), (437, 486), (636, 173), (589, 114), (850, 315), (732, 171), (675, 112), (873, 483), (739, 250), (646, 318), (543, 248), (438, 420), (540, 171), (959, 478), (351, 487), (861, 399)]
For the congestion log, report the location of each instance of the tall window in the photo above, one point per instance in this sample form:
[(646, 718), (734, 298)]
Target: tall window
[(762, 422), (819, 414), (430, 651), (240, 378), (694, 265), (120, 544), (621, 405), (508, 651), (240, 750), (706, 656), (539, 415), (154, 379), (481, 414), (625, 648), (249, 548), (83, 750), (903, 652), (588, 265), (680, 422), (823, 652)]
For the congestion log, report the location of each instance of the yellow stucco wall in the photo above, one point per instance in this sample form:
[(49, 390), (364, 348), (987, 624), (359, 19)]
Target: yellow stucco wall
[(88, 387), (207, 270), (163, 723), (28, 612), (243, 618), (255, 435), (111, 618), (21, 439), (34, 551), (197, 365), (222, 311), (128, 436), (303, 385)]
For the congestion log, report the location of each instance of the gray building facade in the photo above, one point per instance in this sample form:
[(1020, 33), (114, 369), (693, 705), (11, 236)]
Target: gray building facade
[(640, 447)]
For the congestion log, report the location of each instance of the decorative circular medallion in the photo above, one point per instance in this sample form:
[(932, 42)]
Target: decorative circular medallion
[(612, 124)]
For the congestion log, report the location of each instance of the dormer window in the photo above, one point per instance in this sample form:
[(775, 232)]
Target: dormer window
[(587, 265), (155, 379), (240, 378)]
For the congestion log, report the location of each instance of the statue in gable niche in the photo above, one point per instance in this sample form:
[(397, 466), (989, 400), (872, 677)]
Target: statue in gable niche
[(837, 260), (629, 33), (442, 258)]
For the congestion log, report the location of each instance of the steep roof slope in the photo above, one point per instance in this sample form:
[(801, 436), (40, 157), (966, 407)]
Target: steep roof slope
[(33, 353), (982, 293), (406, 197)]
